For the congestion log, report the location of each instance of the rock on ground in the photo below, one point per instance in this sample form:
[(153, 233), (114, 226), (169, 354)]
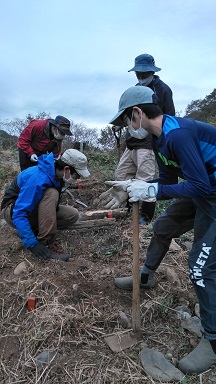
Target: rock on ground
[(158, 367)]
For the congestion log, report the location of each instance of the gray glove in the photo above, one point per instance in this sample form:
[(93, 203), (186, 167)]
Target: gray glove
[(113, 198), (44, 253), (34, 158), (120, 185), (40, 251)]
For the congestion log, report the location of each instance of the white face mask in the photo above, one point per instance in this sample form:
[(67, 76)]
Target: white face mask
[(140, 133), (67, 173), (68, 181), (59, 136), (146, 81)]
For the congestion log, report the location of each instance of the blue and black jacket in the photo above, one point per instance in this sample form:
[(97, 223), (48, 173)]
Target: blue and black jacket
[(26, 192), (186, 149)]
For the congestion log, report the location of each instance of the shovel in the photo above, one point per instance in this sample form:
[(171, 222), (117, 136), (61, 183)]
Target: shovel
[(120, 341)]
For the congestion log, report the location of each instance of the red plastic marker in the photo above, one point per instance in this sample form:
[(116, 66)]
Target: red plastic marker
[(109, 215), (79, 184), (31, 303)]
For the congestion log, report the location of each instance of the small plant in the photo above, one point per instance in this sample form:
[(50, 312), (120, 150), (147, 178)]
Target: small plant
[(165, 304), (111, 252), (189, 380)]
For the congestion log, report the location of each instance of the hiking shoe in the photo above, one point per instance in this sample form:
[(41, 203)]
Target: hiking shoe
[(58, 256), (199, 360), (144, 220), (55, 254), (126, 283)]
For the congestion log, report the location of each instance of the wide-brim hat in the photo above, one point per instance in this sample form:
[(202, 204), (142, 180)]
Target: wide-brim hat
[(144, 63), (133, 96), (63, 124), (77, 160)]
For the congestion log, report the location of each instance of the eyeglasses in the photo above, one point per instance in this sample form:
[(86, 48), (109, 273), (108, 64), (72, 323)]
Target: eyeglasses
[(57, 131), (125, 120)]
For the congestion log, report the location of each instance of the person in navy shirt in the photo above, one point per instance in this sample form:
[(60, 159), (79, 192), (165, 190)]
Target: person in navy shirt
[(185, 150)]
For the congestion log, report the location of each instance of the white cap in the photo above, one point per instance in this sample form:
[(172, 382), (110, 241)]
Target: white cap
[(76, 159)]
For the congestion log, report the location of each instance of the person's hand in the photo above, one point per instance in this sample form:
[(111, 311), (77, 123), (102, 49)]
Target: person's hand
[(113, 198), (140, 190), (40, 251), (34, 158), (119, 185)]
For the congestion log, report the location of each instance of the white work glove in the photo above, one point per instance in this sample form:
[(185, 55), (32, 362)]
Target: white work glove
[(113, 198), (34, 158), (140, 190), (119, 185)]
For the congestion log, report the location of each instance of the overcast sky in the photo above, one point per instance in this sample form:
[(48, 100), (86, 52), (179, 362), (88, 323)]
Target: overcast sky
[(72, 57)]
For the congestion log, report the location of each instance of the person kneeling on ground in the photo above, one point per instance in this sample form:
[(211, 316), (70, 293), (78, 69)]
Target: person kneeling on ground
[(31, 202), (184, 149)]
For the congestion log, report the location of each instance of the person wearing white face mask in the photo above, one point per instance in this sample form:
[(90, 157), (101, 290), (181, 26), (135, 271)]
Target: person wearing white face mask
[(42, 137), (145, 69), (138, 160), (31, 203), (185, 150)]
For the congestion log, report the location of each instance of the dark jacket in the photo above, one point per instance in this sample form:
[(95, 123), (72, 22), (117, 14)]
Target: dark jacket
[(165, 102), (37, 138), (185, 149)]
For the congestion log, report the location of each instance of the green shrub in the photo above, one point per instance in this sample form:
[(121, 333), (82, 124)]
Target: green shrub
[(103, 163)]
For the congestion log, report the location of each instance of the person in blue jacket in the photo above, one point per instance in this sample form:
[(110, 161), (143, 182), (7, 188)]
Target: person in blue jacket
[(31, 202), (138, 160), (185, 150)]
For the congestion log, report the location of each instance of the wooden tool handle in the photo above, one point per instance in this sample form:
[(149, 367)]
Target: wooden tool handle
[(136, 320)]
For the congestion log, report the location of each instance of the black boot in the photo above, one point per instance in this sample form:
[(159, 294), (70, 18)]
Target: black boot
[(147, 212)]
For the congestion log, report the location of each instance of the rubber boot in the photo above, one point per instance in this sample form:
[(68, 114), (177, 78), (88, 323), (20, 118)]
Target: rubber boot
[(199, 360), (126, 283), (56, 254), (147, 212)]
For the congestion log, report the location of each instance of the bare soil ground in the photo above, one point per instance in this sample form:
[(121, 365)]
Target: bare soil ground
[(73, 325)]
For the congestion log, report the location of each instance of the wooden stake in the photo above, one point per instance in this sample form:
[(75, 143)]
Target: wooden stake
[(93, 223), (102, 214)]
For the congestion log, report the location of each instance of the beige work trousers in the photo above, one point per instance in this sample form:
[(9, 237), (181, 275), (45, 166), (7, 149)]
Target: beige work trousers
[(136, 164), (46, 219)]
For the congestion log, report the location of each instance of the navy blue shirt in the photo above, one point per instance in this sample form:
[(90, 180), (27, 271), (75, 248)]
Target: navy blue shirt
[(186, 149)]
